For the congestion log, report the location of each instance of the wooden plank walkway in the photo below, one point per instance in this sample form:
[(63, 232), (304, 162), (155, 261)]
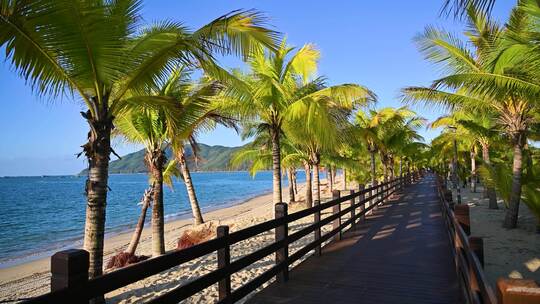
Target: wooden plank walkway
[(401, 254)]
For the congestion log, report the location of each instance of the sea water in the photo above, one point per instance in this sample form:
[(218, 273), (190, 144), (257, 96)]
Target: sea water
[(41, 215)]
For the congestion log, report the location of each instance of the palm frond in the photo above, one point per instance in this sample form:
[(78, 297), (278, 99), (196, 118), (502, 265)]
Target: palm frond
[(238, 32)]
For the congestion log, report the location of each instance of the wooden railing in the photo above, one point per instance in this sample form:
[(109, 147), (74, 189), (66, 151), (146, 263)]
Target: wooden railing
[(70, 282), (467, 250)]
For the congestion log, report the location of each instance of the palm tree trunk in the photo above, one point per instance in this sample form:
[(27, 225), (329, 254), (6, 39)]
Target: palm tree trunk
[(195, 209), (276, 166), (400, 166), (309, 194), (330, 177), (491, 194), (134, 242), (291, 184), (392, 172), (97, 150), (316, 183), (156, 161), (344, 179), (473, 171), (510, 220), (373, 178), (295, 184)]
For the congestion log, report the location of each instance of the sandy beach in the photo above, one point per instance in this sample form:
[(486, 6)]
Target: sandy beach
[(32, 278), (513, 253)]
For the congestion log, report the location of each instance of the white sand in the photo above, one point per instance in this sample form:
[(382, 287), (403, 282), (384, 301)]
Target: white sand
[(32, 279), (513, 253)]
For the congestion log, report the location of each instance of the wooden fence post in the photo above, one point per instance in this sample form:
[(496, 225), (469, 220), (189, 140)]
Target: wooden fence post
[(317, 232), (223, 260), (361, 201), (69, 268), (353, 212), (463, 216), (375, 194), (336, 209), (477, 246), (281, 233), (448, 198), (517, 291), (382, 192)]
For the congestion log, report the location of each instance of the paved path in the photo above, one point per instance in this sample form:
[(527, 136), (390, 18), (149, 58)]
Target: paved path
[(401, 254)]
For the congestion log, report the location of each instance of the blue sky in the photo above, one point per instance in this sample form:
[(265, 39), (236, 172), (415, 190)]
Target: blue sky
[(366, 42)]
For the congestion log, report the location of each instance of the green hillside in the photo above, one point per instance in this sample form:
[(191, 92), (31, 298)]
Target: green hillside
[(211, 158)]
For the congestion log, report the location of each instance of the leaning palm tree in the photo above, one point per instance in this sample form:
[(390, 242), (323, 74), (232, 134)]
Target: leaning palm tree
[(207, 121), (274, 92), (158, 129), (152, 129), (501, 78), (95, 50), (186, 93)]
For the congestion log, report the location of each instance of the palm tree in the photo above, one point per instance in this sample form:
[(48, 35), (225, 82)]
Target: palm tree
[(381, 129), (331, 133), (274, 93), (205, 93), (159, 129), (152, 128), (145, 202), (500, 78), (93, 50), (475, 129)]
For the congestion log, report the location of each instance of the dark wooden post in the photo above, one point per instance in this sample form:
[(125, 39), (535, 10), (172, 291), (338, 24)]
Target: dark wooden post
[(282, 254), (477, 246), (448, 198), (361, 200), (223, 260), (69, 268), (353, 212), (383, 190), (317, 232), (336, 209), (375, 193), (463, 217)]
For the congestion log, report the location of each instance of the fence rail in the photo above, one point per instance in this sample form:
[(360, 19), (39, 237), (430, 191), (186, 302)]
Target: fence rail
[(467, 250), (74, 286)]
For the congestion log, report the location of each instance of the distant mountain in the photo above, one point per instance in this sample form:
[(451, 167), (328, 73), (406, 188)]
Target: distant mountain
[(211, 158)]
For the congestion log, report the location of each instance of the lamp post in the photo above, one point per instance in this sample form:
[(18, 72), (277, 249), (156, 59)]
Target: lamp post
[(455, 167)]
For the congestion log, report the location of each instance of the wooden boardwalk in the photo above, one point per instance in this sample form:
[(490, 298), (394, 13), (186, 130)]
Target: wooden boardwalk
[(401, 254)]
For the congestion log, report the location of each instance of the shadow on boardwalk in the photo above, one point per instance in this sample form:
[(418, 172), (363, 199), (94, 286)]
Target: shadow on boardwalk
[(401, 254)]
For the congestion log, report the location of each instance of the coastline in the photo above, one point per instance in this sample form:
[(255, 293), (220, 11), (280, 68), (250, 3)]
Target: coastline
[(39, 242), (33, 278), (118, 231), (119, 240)]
